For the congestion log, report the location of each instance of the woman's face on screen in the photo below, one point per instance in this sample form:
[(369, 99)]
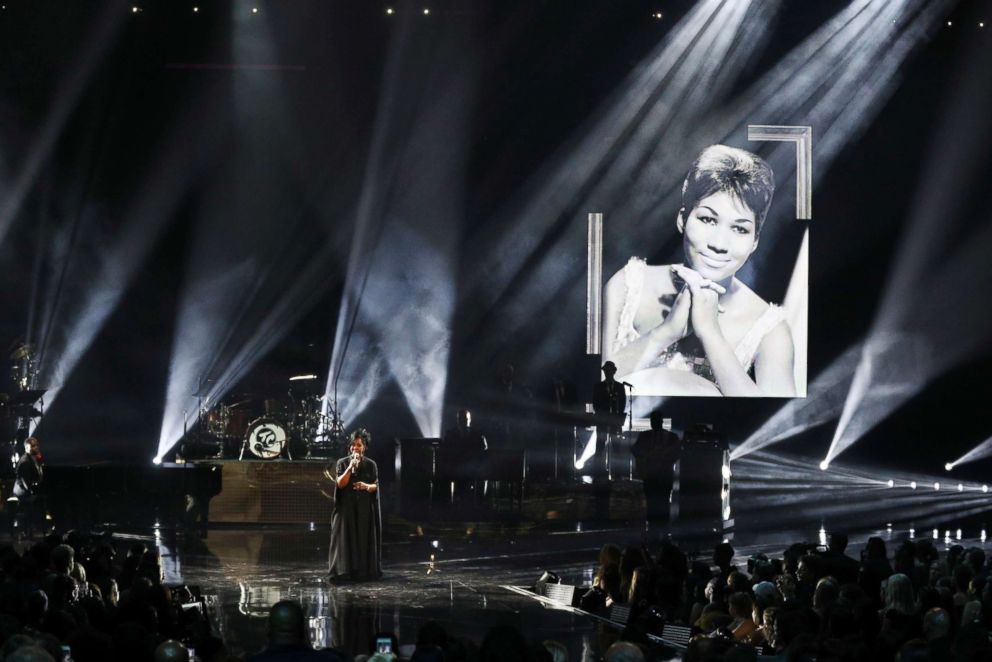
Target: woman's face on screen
[(718, 236)]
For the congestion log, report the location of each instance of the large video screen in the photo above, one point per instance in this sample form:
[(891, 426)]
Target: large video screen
[(697, 324)]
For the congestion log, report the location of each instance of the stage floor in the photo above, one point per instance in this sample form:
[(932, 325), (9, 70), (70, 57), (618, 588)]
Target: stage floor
[(244, 571)]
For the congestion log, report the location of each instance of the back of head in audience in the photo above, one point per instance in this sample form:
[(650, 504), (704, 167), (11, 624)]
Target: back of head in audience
[(13, 643), (30, 653), (826, 594), (63, 559), (936, 624), (976, 559), (899, 594), (432, 633), (972, 612), (503, 642), (838, 542), (875, 550), (723, 555), (624, 651), (171, 650), (286, 623), (739, 605), (764, 594)]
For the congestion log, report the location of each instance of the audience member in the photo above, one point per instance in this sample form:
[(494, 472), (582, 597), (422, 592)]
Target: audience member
[(288, 637)]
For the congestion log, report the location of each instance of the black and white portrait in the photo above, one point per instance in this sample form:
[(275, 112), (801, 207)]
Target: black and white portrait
[(692, 326)]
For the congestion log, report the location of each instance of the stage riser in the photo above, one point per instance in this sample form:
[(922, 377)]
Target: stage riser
[(273, 493)]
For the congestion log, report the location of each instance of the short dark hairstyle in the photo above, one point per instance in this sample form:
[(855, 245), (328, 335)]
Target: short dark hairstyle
[(657, 420), (743, 175), (838, 542), (741, 602), (723, 553), (364, 435)]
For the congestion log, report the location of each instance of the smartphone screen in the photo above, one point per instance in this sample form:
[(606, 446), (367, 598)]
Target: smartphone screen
[(383, 645)]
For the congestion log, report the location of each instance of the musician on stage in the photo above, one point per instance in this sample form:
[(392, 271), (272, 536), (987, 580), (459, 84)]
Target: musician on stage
[(463, 460), (609, 401), (27, 486), (655, 452), (356, 525)]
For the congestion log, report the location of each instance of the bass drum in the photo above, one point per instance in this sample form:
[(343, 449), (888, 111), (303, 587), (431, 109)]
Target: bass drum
[(266, 438)]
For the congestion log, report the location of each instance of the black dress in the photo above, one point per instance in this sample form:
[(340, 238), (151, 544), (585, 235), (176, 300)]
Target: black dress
[(356, 525)]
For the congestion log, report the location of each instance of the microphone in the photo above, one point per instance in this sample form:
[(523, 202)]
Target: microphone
[(627, 384)]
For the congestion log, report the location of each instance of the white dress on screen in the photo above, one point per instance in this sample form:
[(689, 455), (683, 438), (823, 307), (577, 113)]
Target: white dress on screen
[(679, 357)]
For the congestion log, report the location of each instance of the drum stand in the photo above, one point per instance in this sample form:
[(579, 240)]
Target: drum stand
[(330, 438)]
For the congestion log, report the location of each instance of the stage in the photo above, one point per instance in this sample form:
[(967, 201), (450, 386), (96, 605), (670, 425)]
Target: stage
[(477, 579)]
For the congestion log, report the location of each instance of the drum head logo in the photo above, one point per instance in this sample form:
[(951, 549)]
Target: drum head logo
[(267, 442)]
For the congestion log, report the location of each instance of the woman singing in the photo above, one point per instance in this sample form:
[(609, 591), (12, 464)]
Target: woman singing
[(694, 328), (356, 525)]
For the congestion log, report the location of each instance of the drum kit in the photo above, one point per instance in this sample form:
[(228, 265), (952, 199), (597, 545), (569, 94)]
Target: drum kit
[(254, 427)]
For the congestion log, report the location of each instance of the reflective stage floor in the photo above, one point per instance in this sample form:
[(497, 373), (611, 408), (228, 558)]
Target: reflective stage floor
[(243, 572)]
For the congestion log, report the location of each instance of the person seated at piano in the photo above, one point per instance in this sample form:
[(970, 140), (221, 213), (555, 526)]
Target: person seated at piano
[(462, 457)]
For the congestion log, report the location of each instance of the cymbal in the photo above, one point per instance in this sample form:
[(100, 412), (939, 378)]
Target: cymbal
[(242, 399)]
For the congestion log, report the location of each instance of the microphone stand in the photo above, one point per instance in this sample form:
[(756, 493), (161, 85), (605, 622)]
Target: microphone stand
[(630, 429)]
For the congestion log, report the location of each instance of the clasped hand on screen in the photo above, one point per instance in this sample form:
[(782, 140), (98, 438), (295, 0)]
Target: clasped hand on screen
[(698, 303)]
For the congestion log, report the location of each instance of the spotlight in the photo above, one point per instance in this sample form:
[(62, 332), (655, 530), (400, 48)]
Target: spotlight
[(254, 10), (960, 487), (157, 460), (891, 483), (824, 465), (983, 535), (982, 24), (135, 9), (427, 11), (936, 487), (950, 23), (726, 472), (912, 485), (912, 534), (985, 489), (196, 10), (936, 534), (657, 16), (390, 11), (579, 464), (958, 536), (948, 466)]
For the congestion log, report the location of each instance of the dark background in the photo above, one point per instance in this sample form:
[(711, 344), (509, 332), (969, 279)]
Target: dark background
[(542, 67)]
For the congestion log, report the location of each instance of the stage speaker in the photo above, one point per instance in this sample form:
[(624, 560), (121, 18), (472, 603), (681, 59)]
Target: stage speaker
[(415, 464), (699, 497)]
